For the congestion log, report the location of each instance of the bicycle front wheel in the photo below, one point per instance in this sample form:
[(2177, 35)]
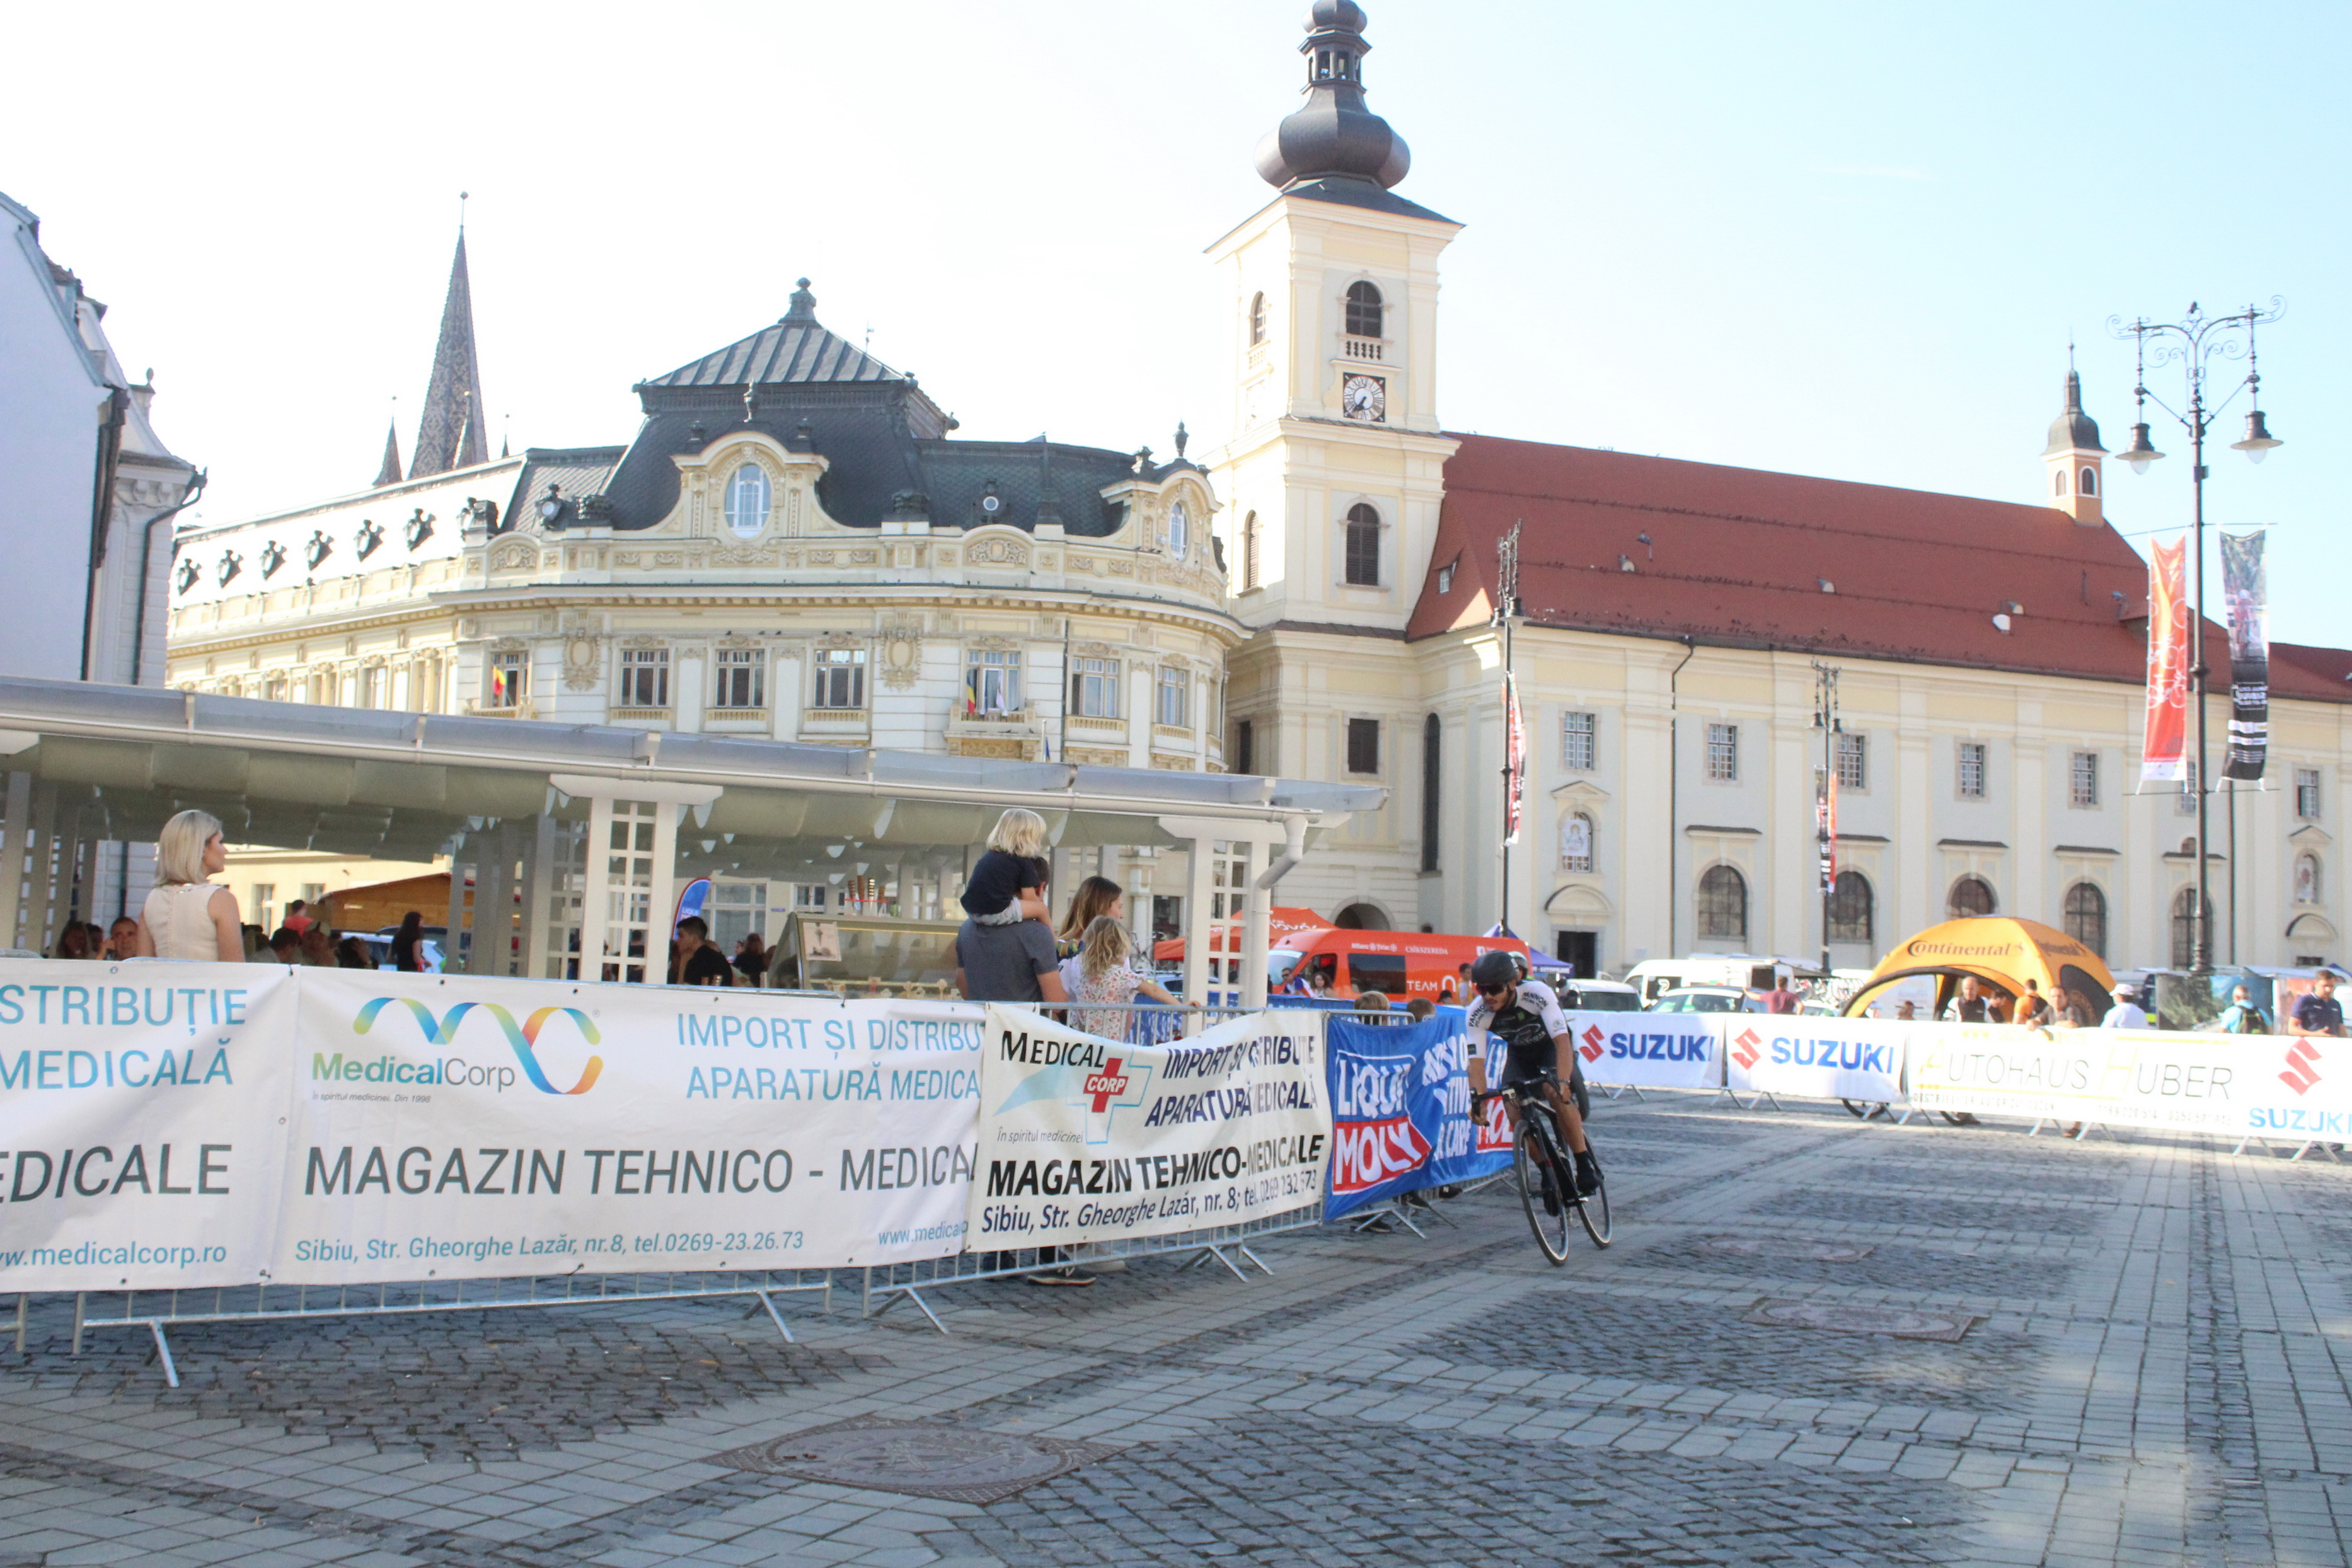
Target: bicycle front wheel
[(1531, 1160), (1593, 1213)]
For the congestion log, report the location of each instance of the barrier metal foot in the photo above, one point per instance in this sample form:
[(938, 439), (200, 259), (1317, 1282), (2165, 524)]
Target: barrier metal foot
[(163, 1352), (1219, 1254), (22, 1297), (81, 1301), (1254, 1257), (2253, 1138), (782, 1327), (2328, 1149)]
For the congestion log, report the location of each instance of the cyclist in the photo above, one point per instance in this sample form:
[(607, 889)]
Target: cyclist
[(1526, 1017)]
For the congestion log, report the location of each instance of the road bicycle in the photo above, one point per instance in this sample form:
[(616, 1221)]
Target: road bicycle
[(1541, 1160)]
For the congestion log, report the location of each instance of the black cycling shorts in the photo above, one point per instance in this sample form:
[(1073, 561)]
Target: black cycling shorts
[(1527, 1063)]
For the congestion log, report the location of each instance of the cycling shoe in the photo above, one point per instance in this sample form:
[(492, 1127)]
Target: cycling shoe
[(1588, 1174)]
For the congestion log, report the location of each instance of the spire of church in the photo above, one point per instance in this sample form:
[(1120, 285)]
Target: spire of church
[(388, 472), (450, 434), (1333, 135)]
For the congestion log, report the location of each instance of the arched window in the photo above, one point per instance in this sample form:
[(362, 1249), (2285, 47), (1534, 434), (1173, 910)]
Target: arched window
[(1258, 319), (1576, 843), (2090, 481), (1723, 905), (1363, 311), (2058, 483), (1249, 551), (2087, 917), (1180, 530), (746, 500), (1364, 546), (2184, 928), (1971, 896), (1432, 762), (1852, 909), (2307, 888)]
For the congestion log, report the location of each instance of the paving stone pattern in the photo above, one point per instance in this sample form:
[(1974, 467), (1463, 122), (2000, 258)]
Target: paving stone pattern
[(2161, 1375)]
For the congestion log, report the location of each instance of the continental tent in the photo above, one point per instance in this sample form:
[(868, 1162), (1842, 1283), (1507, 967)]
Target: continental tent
[(2002, 952)]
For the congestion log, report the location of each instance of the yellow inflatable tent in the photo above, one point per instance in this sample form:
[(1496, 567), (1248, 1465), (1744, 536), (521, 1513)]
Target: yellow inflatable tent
[(2000, 952)]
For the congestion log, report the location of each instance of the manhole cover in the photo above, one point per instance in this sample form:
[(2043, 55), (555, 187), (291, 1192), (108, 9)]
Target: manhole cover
[(1851, 1318), (1785, 1247), (961, 1464)]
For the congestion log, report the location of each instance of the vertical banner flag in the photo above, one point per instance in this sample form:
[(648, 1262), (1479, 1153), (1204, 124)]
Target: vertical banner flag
[(1515, 759), (2164, 740), (1825, 828), (2243, 586)]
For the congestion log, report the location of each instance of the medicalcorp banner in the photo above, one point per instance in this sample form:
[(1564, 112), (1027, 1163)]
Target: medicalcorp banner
[(1086, 1139), (2271, 1086), (142, 1122), (1816, 1059), (478, 1127)]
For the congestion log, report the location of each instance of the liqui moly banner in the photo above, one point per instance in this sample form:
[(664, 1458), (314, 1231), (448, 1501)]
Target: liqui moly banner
[(1817, 1058), (142, 1122), (2271, 1086), (1400, 1110), (2245, 589), (1650, 1050), (1085, 1139), (447, 1127), (2163, 743)]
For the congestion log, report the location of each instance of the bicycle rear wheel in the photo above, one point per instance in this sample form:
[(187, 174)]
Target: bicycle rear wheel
[(1593, 1212), (1529, 1160)]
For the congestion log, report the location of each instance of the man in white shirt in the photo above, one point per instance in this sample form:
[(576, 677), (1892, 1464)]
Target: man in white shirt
[(2126, 1014)]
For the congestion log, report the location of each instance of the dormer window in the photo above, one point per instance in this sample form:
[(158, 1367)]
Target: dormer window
[(1180, 530), (746, 500), (1445, 579), (1363, 311)]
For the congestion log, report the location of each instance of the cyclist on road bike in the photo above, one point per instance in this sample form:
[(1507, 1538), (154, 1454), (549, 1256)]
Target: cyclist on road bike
[(1525, 1017)]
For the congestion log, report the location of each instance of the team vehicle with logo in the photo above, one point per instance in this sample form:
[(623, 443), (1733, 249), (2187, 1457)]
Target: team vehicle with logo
[(1398, 964)]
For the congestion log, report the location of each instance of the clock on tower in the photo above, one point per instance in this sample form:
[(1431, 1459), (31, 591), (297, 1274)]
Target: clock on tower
[(1365, 397)]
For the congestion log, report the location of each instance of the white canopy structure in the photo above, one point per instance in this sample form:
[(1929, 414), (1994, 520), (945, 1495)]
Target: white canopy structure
[(584, 821)]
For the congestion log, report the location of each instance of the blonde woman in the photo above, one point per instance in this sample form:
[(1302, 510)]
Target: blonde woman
[(1105, 979), (186, 916), (1008, 884)]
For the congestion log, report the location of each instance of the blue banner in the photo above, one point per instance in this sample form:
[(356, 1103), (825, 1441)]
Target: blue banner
[(1400, 1110)]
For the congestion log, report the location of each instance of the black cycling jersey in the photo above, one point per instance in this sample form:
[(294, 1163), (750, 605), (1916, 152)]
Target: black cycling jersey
[(1526, 1027)]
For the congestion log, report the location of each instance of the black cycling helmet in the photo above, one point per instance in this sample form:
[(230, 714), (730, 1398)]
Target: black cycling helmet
[(1495, 970)]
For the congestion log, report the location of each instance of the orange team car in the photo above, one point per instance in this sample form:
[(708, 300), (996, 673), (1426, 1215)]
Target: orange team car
[(1398, 964)]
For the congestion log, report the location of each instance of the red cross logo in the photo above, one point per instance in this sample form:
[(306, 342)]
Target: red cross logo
[(1105, 1086), (1594, 1043), (2303, 1066), (1746, 1052)]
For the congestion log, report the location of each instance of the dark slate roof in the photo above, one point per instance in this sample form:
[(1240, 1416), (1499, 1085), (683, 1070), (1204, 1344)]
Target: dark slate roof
[(1351, 192), (578, 472), (796, 350), (957, 474), (2074, 430)]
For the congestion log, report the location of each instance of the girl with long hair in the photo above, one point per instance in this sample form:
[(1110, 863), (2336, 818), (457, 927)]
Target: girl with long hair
[(1106, 979)]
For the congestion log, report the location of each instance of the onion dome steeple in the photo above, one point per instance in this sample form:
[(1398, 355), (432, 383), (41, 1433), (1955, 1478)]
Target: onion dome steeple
[(1332, 135), (2075, 461), (2074, 430)]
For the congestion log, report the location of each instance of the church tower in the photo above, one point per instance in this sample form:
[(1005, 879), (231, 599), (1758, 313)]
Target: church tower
[(2074, 458), (1332, 476), (449, 434)]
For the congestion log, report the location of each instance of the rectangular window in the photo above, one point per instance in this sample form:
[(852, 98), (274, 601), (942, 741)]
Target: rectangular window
[(1364, 548), (1971, 770), (1578, 741), (840, 679), (510, 679), (1853, 761), (265, 906), (741, 677), (992, 682), (809, 895), (1244, 747), (2306, 793), (645, 678), (2083, 786), (1094, 688), (1723, 753), (313, 891), (372, 687), (1363, 745), (2185, 803), (1167, 916), (1175, 697)]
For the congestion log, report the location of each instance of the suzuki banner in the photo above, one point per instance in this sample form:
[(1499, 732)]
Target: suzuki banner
[(143, 1111), (481, 1126), (1650, 1050), (1400, 1110), (1085, 1139), (1818, 1058), (2271, 1086)]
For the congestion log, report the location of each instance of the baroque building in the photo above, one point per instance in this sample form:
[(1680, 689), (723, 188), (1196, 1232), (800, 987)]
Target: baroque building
[(797, 544)]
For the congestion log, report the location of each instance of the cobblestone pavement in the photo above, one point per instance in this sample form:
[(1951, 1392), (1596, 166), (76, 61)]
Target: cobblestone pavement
[(2157, 1376)]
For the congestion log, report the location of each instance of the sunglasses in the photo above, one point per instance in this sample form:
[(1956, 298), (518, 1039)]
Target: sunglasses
[(1492, 990)]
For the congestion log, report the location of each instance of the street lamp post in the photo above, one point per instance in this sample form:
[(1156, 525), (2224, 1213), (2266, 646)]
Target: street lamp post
[(1826, 719), (1506, 612), (2194, 343)]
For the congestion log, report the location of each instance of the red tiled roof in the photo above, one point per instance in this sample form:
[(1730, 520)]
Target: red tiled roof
[(1736, 558)]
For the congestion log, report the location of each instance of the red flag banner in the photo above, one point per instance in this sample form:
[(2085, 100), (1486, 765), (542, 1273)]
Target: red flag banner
[(1825, 828), (2164, 742), (1515, 759)]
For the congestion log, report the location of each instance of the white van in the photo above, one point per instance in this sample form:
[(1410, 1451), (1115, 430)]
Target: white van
[(1653, 978)]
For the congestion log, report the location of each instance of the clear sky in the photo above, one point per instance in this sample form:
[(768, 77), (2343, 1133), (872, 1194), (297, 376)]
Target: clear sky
[(1847, 239)]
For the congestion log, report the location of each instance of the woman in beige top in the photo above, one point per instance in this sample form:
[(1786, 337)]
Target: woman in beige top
[(186, 915)]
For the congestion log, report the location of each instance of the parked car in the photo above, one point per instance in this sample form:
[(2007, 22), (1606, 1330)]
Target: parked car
[(1598, 996), (1706, 999)]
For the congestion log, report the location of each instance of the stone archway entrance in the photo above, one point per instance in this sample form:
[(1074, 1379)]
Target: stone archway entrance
[(1362, 917)]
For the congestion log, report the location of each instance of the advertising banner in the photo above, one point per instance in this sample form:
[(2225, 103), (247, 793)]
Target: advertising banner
[(476, 1128), (144, 1112), (1816, 1059), (1400, 1110), (1650, 1050), (1085, 1139), (2164, 741), (2246, 591), (2269, 1085), (1514, 760)]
